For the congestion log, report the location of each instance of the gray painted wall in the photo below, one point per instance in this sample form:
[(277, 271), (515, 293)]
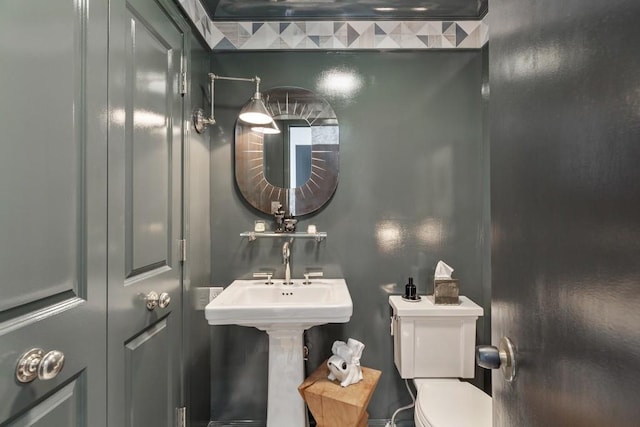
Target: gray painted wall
[(198, 235), (413, 189), (566, 209)]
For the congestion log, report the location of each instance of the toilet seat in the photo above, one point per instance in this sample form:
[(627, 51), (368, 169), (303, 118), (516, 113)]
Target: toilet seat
[(451, 403)]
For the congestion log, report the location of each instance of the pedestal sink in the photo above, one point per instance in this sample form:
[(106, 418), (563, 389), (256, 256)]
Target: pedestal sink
[(284, 312)]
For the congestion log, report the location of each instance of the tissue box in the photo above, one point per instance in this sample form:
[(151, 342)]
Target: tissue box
[(446, 291)]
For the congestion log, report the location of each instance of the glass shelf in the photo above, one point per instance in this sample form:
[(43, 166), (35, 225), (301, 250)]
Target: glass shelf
[(253, 235)]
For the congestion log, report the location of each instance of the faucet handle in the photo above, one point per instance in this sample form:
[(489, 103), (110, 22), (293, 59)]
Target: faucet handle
[(311, 274), (267, 275)]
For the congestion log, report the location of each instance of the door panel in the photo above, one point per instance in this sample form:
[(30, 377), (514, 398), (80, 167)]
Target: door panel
[(145, 196), (565, 207), (53, 210), (63, 408), (148, 382), (148, 195)]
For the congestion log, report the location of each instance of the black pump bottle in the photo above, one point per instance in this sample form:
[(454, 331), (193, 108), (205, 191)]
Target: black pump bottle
[(410, 290)]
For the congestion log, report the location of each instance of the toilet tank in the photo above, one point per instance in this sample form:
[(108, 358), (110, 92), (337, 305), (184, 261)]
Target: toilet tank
[(434, 341)]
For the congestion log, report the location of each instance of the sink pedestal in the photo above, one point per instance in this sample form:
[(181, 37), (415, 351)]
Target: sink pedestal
[(285, 407), (284, 312)]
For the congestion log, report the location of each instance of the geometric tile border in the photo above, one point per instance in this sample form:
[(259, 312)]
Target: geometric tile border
[(335, 35)]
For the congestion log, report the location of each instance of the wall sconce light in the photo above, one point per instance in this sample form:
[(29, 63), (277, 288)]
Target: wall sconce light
[(254, 112), (271, 128)]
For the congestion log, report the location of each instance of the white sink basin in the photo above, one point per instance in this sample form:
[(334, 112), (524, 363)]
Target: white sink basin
[(254, 303), (284, 312)]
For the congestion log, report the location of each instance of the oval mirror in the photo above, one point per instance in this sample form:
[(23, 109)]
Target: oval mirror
[(298, 167)]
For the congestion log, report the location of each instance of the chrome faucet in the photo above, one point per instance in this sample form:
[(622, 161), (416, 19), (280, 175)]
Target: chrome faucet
[(286, 258)]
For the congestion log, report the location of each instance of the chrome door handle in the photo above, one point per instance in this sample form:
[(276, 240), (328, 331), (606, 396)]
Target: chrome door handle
[(152, 300), (503, 357), (35, 364), (164, 300)]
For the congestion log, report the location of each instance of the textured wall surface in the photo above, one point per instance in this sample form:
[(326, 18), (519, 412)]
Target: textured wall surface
[(565, 198), (412, 190)]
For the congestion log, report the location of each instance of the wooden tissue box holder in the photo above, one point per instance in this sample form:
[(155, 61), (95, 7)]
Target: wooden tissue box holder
[(446, 292)]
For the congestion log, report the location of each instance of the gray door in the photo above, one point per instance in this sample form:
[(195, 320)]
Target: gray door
[(145, 145), (565, 190), (53, 171)]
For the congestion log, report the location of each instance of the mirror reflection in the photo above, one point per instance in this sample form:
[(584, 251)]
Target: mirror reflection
[(297, 167), (287, 155)]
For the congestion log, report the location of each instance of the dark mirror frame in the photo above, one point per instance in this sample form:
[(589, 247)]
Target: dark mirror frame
[(290, 103)]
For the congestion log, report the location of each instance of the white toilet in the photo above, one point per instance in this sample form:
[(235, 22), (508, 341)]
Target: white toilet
[(435, 346)]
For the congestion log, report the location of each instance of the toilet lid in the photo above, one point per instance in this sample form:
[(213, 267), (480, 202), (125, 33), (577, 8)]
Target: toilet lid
[(451, 403)]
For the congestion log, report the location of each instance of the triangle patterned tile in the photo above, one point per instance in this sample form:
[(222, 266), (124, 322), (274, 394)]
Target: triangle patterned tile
[(279, 44), (256, 26), (326, 42), (197, 12), (342, 34), (216, 36), (460, 35), (320, 28), (432, 28), (472, 41), (283, 26), (409, 41), (339, 43), (396, 38), (424, 41), (448, 27), (435, 41), (292, 35), (468, 26), (315, 40), (415, 27), (189, 8), (244, 34), (301, 25), (338, 26), (366, 39), (379, 31), (408, 29), (448, 41), (246, 26), (385, 42), (224, 44), (262, 38), (484, 33), (311, 44), (352, 35), (388, 26), (301, 45), (361, 26)]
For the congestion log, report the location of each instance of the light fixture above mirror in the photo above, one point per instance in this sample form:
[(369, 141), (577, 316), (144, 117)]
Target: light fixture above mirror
[(254, 112)]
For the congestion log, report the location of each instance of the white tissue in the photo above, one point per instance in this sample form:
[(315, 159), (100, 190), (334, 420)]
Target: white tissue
[(344, 365), (443, 271)]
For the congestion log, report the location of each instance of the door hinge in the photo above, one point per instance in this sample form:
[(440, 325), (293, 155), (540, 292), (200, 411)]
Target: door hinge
[(182, 416), (183, 83), (182, 250), (183, 75)]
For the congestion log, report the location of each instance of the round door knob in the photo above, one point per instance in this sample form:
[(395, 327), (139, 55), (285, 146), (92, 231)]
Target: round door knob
[(488, 357), (152, 300), (51, 365), (503, 357), (35, 364), (165, 300)]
